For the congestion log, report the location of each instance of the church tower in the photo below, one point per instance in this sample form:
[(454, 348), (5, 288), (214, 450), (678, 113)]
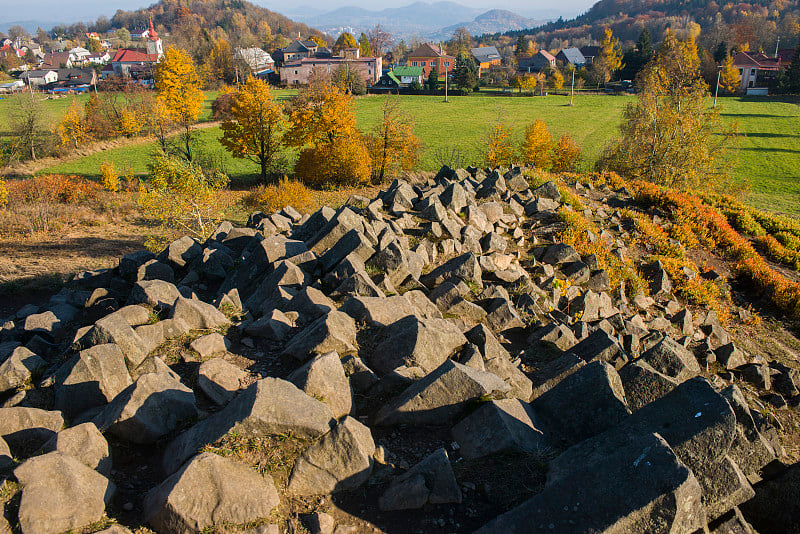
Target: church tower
[(153, 42)]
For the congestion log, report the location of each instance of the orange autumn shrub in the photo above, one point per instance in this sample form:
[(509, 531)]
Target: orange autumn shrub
[(59, 188)]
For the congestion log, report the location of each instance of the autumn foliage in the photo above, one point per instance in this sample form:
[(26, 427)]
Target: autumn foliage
[(500, 146), (180, 89), (392, 145), (537, 147), (274, 197), (59, 188)]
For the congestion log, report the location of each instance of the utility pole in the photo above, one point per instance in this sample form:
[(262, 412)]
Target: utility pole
[(572, 89), (716, 91), (776, 46), (445, 83)]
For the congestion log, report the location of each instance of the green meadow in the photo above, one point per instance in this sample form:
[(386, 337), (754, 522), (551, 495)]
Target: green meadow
[(768, 158)]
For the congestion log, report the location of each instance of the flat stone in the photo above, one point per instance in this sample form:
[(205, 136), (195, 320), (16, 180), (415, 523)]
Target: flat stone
[(25, 430), (198, 314), (85, 443), (210, 344), (19, 368), (378, 311), (672, 359), (643, 384)]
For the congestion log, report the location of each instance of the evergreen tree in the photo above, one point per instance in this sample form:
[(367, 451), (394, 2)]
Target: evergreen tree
[(432, 83), (465, 75), (791, 82), (720, 52), (522, 46)]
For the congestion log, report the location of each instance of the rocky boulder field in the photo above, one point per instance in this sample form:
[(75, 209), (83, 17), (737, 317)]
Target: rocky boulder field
[(435, 359)]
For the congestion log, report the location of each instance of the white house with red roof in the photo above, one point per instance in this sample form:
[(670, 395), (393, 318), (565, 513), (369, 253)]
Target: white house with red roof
[(756, 70)]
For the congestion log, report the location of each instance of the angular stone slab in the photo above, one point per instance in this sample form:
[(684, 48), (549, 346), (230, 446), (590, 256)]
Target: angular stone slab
[(85, 443), (499, 426), (341, 460), (441, 396), (323, 377), (269, 406), (335, 331), (210, 490), (641, 487)]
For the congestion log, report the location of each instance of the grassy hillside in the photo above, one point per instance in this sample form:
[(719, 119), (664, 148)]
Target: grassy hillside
[(769, 148)]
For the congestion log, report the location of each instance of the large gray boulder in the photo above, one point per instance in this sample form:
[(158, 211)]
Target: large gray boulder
[(6, 460), (220, 380), (85, 443), (503, 425), (59, 493), (640, 487), (750, 449), (672, 359), (155, 293), (198, 314), (19, 368), (92, 378), (150, 408), (643, 384), (497, 360), (411, 341), (589, 401), (724, 487), (209, 491), (341, 460), (378, 311), (25, 430), (430, 481), (324, 378), (269, 406), (464, 267), (334, 331), (114, 328), (441, 396)]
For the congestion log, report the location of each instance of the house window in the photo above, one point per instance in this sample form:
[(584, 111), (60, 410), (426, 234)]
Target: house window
[(752, 72), (446, 63), (413, 63)]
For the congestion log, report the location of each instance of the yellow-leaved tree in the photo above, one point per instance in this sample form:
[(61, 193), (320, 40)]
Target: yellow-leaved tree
[(527, 83), (180, 196), (609, 59), (323, 126), (180, 89), (566, 155), (72, 128), (556, 80), (670, 136), (256, 127), (392, 144), (537, 147), (729, 77), (500, 146)]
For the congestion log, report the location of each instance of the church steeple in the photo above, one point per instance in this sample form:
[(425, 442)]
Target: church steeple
[(152, 34)]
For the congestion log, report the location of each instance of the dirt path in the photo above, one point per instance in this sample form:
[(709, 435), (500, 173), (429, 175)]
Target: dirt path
[(29, 168)]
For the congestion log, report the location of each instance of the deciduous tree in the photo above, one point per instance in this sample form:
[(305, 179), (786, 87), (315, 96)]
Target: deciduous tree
[(566, 155), (379, 39), (392, 144), (609, 59), (729, 78), (72, 128), (500, 146), (669, 134), (256, 127), (537, 147), (179, 87), (345, 40)]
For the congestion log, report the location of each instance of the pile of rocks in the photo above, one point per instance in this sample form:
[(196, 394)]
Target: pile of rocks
[(446, 307)]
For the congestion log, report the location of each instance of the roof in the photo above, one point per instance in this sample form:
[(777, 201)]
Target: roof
[(547, 55), (590, 51), (130, 55), (573, 55), (408, 71), (393, 77), (38, 73), (300, 46), (486, 54), (329, 60), (428, 50), (757, 60), (55, 59)]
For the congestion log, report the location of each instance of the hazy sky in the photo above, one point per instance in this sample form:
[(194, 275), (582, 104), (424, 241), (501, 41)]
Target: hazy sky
[(60, 11)]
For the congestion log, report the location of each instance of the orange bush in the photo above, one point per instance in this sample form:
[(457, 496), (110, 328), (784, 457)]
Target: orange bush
[(271, 198), (51, 188)]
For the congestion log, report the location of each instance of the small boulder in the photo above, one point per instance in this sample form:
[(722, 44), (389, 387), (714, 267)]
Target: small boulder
[(220, 380), (85, 443), (430, 481), (499, 426), (335, 331), (323, 377)]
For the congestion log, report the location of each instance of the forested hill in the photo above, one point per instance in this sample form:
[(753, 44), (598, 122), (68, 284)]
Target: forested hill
[(243, 23), (756, 23)]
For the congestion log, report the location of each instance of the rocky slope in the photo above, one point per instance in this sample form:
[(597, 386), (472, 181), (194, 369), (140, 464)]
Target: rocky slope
[(437, 359)]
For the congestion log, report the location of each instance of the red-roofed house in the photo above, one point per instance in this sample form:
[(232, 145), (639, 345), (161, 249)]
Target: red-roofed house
[(299, 71), (125, 58), (429, 57), (757, 71)]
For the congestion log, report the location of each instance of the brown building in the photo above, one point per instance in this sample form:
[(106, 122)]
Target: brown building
[(430, 56), (298, 72)]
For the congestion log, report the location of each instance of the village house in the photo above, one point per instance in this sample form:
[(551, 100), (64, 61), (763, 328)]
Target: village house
[(79, 55), (590, 53), (540, 61), (259, 62), (299, 72), (571, 56), (99, 59), (486, 57), (757, 71), (408, 75), (125, 58), (431, 57), (58, 60), (298, 50), (39, 77)]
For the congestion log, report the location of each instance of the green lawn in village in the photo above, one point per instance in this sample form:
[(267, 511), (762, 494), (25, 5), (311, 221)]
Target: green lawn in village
[(769, 156)]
